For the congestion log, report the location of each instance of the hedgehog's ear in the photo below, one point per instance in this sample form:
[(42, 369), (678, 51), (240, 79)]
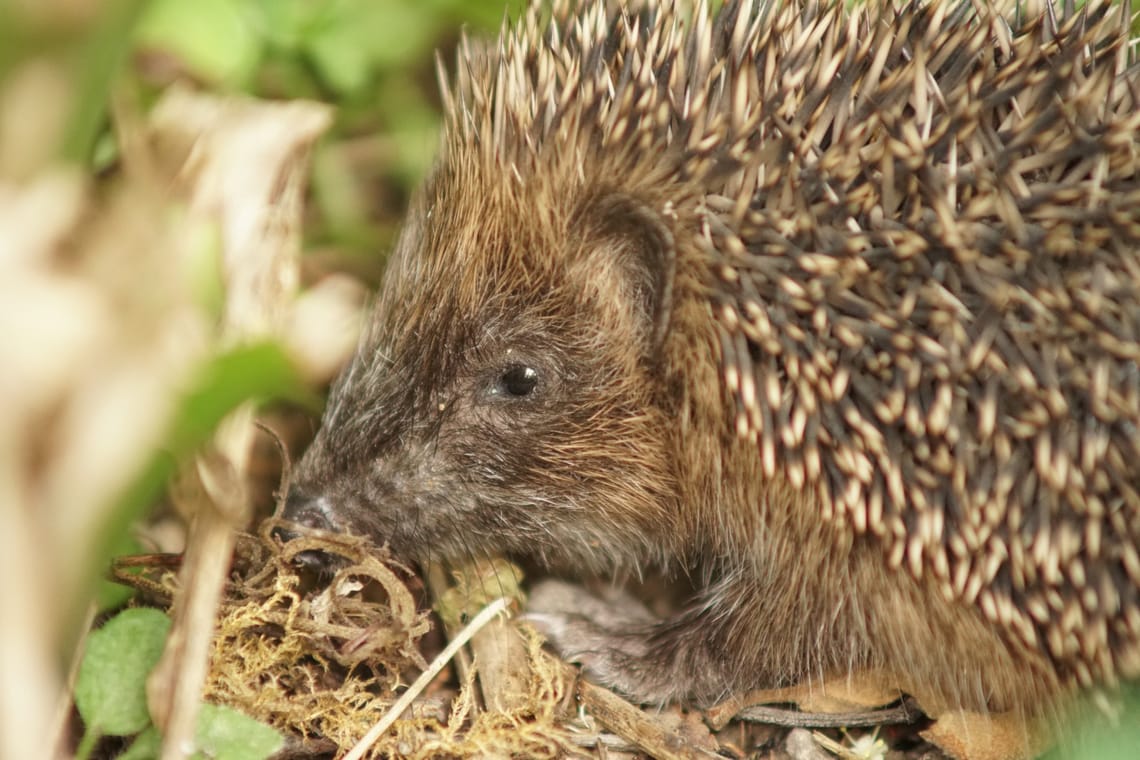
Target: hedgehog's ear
[(632, 248)]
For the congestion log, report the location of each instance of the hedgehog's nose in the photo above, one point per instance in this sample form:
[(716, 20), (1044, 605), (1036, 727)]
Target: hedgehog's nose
[(307, 511)]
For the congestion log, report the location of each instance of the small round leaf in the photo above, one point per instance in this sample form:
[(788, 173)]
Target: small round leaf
[(111, 688), (226, 734)]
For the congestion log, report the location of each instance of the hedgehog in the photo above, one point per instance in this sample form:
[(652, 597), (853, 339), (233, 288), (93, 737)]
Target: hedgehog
[(834, 311)]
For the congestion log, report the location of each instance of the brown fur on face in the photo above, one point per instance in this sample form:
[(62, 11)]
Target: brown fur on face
[(423, 448)]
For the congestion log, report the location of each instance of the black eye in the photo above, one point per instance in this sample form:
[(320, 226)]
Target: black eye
[(517, 380)]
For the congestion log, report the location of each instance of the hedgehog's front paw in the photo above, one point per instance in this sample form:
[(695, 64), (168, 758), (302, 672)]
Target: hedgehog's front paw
[(609, 638)]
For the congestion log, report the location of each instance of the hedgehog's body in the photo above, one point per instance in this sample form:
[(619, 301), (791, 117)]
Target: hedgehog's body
[(840, 311)]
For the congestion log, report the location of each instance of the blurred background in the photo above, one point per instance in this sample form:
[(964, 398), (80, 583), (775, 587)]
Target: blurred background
[(146, 151), (373, 60)]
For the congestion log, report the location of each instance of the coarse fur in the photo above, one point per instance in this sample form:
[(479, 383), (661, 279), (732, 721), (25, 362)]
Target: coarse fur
[(838, 310)]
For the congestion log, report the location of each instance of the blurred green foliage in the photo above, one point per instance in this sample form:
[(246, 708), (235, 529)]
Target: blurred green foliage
[(372, 59), (1096, 737), (339, 47), (259, 371)]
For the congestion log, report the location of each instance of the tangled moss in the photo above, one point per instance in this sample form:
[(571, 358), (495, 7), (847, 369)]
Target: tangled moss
[(322, 662)]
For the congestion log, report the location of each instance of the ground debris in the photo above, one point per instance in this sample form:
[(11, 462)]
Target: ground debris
[(325, 659), (322, 660)]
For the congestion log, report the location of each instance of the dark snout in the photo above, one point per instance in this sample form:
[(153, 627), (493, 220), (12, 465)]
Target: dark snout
[(306, 511)]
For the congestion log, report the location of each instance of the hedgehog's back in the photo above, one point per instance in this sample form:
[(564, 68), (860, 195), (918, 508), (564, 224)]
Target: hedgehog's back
[(933, 252)]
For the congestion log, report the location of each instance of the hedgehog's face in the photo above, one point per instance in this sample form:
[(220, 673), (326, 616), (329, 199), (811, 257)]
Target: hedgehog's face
[(504, 400)]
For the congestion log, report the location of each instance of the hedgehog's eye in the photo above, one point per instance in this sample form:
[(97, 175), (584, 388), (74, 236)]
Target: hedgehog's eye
[(516, 381)]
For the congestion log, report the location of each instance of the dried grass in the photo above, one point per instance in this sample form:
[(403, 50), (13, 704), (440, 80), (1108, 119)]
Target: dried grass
[(322, 663)]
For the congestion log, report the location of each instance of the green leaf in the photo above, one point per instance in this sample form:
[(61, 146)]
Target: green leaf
[(257, 371), (222, 734), (342, 62), (254, 371), (146, 746), (286, 23), (110, 691), (212, 38), (348, 46), (226, 734), (101, 58), (1095, 736)]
